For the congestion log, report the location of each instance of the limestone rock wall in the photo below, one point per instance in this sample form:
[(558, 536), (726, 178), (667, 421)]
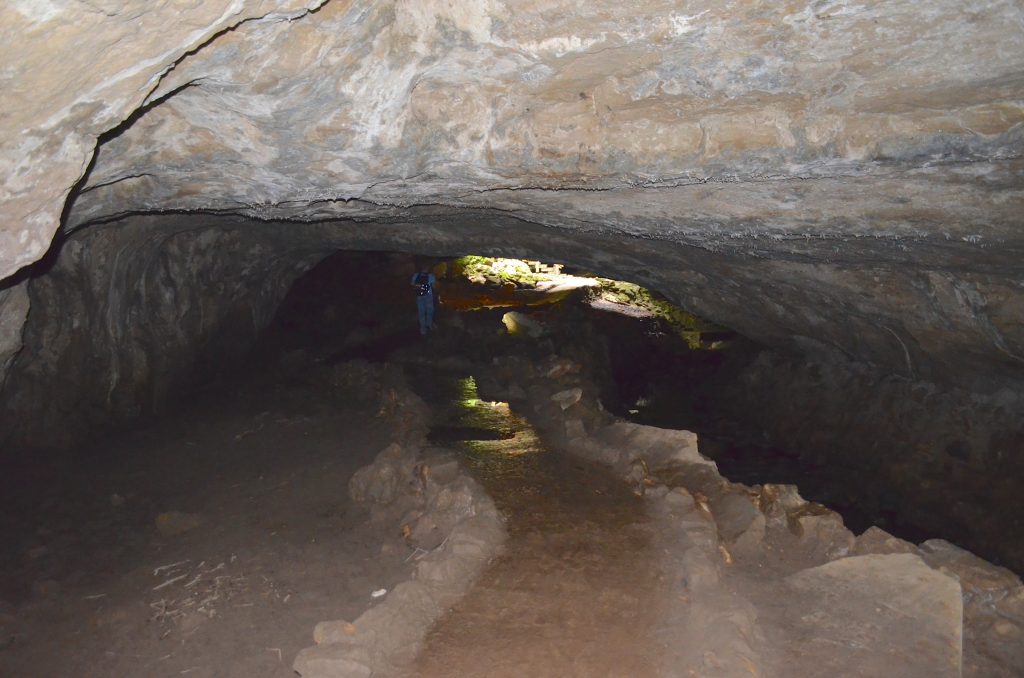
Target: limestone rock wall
[(14, 307), (946, 461), (906, 310), (132, 314)]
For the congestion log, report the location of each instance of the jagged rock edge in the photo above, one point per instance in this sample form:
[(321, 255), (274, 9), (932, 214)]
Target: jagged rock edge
[(441, 577)]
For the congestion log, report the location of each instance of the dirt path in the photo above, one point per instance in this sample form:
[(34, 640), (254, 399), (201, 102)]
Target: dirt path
[(262, 542), (576, 592)]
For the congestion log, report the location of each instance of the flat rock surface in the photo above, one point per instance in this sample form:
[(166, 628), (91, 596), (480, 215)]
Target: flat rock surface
[(875, 615)]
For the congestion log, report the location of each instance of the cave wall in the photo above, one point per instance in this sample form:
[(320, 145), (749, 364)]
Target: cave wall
[(932, 459), (14, 305), (129, 310), (129, 315), (127, 318)]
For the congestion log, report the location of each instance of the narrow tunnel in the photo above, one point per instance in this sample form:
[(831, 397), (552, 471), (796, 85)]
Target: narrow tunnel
[(482, 338)]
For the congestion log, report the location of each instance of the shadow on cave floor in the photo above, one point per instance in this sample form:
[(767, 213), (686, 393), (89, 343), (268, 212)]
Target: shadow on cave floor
[(208, 542)]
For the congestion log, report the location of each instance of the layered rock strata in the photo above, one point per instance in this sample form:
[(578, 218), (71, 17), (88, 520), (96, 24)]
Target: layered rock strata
[(853, 167)]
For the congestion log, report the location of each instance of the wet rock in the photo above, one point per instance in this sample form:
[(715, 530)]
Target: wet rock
[(174, 523), (875, 615)]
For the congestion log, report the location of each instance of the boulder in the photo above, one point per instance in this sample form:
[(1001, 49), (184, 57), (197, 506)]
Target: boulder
[(875, 540), (875, 615)]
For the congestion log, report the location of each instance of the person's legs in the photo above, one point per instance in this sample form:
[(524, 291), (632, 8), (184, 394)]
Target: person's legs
[(430, 311), (422, 311)]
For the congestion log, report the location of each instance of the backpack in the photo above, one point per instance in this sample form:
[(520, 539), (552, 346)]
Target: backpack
[(422, 284)]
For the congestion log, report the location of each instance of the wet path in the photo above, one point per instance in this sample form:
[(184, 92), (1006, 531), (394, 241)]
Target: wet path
[(576, 591)]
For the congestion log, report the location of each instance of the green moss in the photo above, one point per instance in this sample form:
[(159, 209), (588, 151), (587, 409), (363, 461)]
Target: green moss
[(498, 271), (686, 325)]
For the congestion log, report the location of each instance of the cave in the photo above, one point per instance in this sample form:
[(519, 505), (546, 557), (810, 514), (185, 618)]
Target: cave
[(725, 374)]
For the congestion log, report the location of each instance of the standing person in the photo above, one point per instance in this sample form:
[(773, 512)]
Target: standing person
[(423, 281)]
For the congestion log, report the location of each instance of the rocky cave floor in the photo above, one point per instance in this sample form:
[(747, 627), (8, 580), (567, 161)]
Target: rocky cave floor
[(206, 544), (211, 542)]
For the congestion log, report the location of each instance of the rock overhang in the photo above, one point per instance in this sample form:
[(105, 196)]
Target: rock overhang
[(855, 168)]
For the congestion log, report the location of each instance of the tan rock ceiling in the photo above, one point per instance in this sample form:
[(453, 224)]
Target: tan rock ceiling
[(697, 120)]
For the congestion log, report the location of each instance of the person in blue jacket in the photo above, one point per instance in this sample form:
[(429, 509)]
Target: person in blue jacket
[(423, 282)]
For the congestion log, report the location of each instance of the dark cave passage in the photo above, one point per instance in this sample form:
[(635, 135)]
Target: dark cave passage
[(758, 415), (235, 477)]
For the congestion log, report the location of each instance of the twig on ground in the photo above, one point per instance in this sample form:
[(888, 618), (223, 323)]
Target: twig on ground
[(170, 581), (170, 567)]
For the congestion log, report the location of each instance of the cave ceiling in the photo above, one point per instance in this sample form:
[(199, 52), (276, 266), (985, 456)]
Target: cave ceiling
[(829, 133)]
